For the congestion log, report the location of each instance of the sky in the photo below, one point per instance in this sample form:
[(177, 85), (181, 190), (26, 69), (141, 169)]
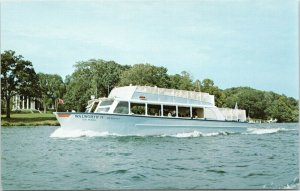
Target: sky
[(234, 42)]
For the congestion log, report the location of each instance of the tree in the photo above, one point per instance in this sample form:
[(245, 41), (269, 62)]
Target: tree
[(92, 77), (17, 77), (263, 105), (208, 86), (182, 81), (247, 98), (52, 88), (106, 75), (283, 110), (197, 85), (145, 75)]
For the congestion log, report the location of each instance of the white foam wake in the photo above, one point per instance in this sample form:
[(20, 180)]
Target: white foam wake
[(74, 133), (198, 134), (258, 131), (66, 133)]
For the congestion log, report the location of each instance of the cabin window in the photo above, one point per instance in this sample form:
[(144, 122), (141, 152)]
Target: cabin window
[(122, 107), (198, 112), (169, 110), (184, 111), (102, 110), (104, 106), (154, 110), (106, 102), (94, 107), (138, 108)]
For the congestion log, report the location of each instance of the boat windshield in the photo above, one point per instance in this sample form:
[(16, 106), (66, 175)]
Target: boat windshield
[(94, 106), (104, 106)]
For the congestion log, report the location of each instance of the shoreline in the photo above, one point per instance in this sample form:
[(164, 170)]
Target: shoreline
[(8, 125), (32, 119)]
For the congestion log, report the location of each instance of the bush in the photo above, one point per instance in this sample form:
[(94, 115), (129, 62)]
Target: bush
[(22, 111)]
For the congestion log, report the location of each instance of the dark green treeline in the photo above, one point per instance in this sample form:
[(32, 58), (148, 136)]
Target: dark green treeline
[(98, 77)]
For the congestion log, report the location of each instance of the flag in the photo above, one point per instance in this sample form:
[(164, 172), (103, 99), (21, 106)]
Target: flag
[(236, 106), (60, 101)]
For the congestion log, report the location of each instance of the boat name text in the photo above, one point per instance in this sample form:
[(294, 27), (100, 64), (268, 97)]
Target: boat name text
[(83, 116), (94, 117)]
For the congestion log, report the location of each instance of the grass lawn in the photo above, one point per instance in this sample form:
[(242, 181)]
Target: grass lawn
[(29, 119)]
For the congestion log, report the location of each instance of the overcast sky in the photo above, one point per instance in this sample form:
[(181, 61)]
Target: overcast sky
[(235, 42)]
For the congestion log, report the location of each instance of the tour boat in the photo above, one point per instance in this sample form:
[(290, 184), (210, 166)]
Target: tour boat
[(145, 110)]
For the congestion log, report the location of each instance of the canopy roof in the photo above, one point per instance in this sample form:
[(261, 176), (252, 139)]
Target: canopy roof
[(162, 95)]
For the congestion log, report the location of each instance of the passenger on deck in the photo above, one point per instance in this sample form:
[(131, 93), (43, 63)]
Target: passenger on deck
[(173, 113)]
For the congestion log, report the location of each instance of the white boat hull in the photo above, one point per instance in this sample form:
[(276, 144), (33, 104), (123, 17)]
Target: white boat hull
[(142, 125)]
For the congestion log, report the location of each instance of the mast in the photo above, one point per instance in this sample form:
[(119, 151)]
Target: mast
[(236, 111)]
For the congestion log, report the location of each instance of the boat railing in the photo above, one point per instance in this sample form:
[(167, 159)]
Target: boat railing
[(184, 94)]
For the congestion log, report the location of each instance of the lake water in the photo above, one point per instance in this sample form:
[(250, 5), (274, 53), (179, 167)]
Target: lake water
[(263, 157)]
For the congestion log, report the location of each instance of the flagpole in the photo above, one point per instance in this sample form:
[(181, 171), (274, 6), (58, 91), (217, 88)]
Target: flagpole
[(56, 103)]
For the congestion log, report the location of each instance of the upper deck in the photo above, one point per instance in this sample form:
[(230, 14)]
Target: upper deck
[(146, 100), (156, 94)]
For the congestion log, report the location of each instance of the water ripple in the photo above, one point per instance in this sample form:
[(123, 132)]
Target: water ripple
[(33, 160), (216, 171), (256, 174)]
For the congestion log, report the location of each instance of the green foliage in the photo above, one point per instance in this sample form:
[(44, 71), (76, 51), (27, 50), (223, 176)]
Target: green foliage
[(93, 77), (145, 74), (248, 99), (208, 86), (182, 81), (17, 77), (263, 105), (98, 77), (52, 87), (283, 110)]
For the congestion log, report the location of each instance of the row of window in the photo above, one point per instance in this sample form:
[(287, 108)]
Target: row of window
[(156, 110)]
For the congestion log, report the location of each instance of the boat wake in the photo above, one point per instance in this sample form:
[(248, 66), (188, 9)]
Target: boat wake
[(292, 185), (259, 131), (65, 133), (197, 134), (74, 133)]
